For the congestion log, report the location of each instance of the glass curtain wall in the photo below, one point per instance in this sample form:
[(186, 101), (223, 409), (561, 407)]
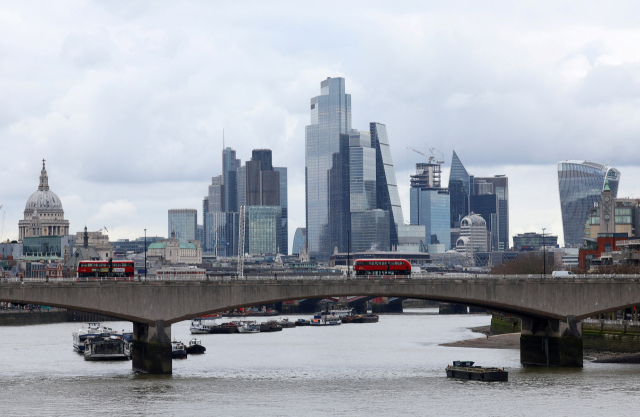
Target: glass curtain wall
[(580, 184), (330, 117)]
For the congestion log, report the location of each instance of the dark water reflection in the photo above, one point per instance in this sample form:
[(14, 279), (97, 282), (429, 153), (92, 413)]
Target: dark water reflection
[(395, 367)]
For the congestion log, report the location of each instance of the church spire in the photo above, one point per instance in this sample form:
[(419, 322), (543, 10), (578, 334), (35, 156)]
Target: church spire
[(44, 179)]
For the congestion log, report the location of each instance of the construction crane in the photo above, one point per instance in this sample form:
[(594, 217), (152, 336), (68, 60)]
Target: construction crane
[(432, 158)]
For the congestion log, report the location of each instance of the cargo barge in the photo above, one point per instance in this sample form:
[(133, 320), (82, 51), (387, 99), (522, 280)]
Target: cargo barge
[(466, 370)]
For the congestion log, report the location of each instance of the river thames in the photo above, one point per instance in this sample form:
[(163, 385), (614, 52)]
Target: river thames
[(394, 367)]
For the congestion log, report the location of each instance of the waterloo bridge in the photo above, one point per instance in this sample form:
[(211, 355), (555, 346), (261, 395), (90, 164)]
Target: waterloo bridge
[(551, 309)]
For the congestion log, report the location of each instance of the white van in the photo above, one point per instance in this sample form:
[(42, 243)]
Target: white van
[(559, 274)]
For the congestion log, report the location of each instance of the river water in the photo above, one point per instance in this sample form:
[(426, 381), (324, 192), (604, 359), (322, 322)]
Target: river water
[(394, 367)]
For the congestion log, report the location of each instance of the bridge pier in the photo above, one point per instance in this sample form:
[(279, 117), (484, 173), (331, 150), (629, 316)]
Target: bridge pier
[(151, 348), (551, 343)]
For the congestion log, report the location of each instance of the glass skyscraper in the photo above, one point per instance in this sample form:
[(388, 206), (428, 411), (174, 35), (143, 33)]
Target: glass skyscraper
[(229, 167), (362, 172), (263, 229), (430, 207), (185, 224), (459, 190), (298, 240), (284, 203), (580, 184), (499, 185), (387, 195), (430, 204), (221, 234), (370, 231), (330, 117)]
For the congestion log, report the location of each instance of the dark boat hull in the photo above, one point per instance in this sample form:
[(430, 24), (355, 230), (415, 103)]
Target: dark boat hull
[(303, 323), (196, 350), (478, 376), (179, 354)]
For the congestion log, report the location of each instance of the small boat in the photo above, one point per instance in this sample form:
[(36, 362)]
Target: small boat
[(92, 330), (466, 370), (270, 326), (369, 318), (302, 322), (249, 327), (325, 319), (286, 324), (105, 348), (201, 326), (178, 350), (195, 347)]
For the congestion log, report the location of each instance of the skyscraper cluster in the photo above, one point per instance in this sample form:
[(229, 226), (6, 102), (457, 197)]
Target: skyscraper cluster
[(352, 200), (262, 189)]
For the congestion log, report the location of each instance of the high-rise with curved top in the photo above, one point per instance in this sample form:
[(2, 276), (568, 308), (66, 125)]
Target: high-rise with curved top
[(580, 184)]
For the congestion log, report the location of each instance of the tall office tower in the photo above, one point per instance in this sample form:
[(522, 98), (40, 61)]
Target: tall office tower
[(205, 210), (498, 185), (487, 206), (387, 195), (298, 240), (330, 117), (339, 197), (430, 206), (229, 167), (263, 229), (370, 230), (284, 203), (459, 191), (262, 186), (216, 194), (265, 158), (362, 172), (221, 234), (184, 222), (241, 183), (580, 184)]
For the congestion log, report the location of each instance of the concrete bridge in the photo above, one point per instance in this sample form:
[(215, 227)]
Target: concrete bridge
[(551, 308)]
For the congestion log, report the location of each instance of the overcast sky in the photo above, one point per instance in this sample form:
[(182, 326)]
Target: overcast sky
[(127, 100)]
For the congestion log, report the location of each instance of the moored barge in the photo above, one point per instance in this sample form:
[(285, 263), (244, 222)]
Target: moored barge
[(466, 370)]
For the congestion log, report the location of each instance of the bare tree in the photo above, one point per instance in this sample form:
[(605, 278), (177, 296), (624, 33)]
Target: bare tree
[(526, 263)]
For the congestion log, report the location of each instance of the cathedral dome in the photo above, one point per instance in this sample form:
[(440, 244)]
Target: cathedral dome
[(44, 200)]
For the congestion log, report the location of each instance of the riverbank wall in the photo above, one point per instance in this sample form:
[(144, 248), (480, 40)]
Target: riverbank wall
[(611, 335), (504, 324)]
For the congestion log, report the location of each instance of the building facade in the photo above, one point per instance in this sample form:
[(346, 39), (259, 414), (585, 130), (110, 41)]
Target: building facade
[(473, 235), (430, 205), (498, 185), (173, 251), (43, 213), (387, 195), (580, 184), (184, 222), (370, 231), (330, 117), (263, 229), (459, 191), (533, 241), (222, 233), (299, 241)]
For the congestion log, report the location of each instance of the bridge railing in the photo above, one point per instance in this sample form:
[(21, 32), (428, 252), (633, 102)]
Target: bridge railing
[(276, 277), (612, 322)]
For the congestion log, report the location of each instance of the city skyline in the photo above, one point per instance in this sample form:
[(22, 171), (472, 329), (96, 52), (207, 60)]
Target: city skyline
[(124, 146)]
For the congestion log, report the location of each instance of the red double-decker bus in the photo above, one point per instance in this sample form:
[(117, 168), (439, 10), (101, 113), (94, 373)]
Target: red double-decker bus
[(396, 267), (109, 270)]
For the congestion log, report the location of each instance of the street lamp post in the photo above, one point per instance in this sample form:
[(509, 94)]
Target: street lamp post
[(348, 252), (145, 254), (544, 253)]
